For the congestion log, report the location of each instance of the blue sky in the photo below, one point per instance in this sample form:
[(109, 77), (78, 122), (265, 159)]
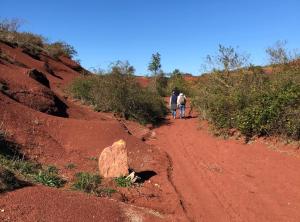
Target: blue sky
[(182, 31)]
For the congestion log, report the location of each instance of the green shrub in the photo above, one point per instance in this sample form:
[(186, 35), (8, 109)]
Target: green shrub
[(24, 167), (251, 101), (12, 160), (123, 182), (178, 83), (159, 84), (27, 39), (32, 44), (49, 177), (81, 88), (23, 39), (58, 49), (86, 182), (119, 92)]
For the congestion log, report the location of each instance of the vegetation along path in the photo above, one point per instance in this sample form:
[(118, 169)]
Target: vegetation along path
[(226, 180)]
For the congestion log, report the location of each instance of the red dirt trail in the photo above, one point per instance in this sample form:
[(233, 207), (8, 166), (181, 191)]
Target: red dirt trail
[(226, 180)]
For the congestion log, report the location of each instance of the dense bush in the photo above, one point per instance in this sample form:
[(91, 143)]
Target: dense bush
[(158, 84), (252, 101), (119, 92), (255, 100), (177, 82), (123, 182), (57, 49)]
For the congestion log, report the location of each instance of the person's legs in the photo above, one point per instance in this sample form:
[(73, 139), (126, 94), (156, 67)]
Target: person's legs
[(174, 113), (182, 111)]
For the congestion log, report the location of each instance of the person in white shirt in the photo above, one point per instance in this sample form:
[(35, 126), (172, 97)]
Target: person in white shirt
[(181, 101)]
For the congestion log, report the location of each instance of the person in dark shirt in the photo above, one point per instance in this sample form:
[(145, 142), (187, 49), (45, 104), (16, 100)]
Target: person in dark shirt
[(173, 104)]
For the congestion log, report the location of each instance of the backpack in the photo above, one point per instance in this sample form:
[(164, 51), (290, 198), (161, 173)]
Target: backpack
[(182, 100)]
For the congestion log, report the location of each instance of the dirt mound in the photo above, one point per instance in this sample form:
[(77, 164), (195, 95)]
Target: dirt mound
[(45, 204)]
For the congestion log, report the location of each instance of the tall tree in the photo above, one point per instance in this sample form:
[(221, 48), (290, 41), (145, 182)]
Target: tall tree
[(155, 65)]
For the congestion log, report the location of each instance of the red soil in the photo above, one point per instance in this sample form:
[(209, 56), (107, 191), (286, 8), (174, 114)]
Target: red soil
[(202, 178), (226, 180), (143, 81), (78, 138)]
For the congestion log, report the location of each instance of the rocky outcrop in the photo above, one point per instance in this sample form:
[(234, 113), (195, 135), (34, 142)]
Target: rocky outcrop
[(113, 161)]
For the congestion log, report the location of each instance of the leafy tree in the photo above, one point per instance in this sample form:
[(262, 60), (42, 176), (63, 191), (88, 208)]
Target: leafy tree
[(155, 65), (159, 82)]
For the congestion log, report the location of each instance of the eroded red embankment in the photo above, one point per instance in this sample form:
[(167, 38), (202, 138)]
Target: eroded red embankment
[(78, 138)]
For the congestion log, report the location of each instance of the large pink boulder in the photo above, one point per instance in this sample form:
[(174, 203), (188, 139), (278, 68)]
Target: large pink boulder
[(113, 161)]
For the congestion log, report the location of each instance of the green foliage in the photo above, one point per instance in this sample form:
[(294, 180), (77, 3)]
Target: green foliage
[(32, 44), (155, 65), (24, 167), (58, 49), (29, 39), (32, 171), (86, 182), (49, 177), (83, 87), (118, 92), (159, 84), (15, 162), (248, 99), (123, 182), (178, 83), (159, 81), (251, 101)]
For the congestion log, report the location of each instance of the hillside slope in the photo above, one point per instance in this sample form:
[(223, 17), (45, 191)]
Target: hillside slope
[(55, 130)]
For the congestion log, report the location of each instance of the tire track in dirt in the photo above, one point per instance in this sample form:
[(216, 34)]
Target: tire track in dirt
[(226, 180), (170, 178)]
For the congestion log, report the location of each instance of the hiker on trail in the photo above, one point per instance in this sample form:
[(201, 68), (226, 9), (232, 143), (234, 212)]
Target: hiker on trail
[(173, 103), (181, 101)]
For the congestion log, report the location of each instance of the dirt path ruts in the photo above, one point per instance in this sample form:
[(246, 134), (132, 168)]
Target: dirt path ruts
[(226, 180)]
